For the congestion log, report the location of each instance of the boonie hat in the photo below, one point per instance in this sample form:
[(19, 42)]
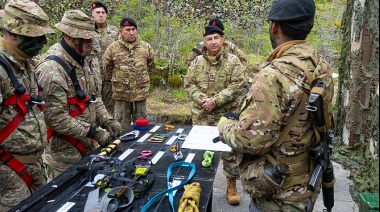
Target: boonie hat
[(76, 24), (24, 17)]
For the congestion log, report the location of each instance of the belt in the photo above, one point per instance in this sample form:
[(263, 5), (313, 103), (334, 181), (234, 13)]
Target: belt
[(297, 164), (27, 159)]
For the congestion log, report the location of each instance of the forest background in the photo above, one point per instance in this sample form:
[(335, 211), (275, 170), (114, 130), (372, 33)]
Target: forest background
[(173, 27)]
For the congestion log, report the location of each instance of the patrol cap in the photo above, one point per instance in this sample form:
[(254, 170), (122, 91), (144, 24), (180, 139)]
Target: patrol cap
[(128, 22), (209, 30), (293, 11), (216, 22), (76, 24), (24, 17), (97, 5)]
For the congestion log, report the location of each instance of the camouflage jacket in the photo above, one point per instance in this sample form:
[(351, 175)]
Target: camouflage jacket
[(105, 38), (30, 136), (275, 94), (128, 66), (58, 87), (221, 80), (233, 49)]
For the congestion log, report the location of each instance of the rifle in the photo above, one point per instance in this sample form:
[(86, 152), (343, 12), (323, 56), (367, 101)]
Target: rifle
[(320, 154)]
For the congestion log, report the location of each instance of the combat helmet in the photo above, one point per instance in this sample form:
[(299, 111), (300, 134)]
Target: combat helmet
[(76, 24), (24, 17)]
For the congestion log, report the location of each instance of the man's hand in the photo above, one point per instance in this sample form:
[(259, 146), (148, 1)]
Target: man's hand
[(208, 104), (102, 136), (114, 128)]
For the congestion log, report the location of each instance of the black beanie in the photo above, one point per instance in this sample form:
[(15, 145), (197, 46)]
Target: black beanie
[(209, 30), (216, 22), (97, 5), (128, 22)]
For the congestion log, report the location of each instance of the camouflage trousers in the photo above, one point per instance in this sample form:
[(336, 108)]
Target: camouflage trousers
[(273, 205), (108, 101), (230, 166), (127, 112), (13, 188)]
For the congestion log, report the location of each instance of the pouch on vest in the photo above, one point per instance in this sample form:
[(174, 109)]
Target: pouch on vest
[(256, 182)]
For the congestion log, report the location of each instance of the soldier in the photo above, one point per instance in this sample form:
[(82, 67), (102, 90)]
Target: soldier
[(213, 82), (127, 62), (22, 128), (279, 91), (233, 49), (73, 112), (107, 34)]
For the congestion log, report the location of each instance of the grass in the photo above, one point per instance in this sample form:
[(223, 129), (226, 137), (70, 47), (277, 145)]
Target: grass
[(169, 105)]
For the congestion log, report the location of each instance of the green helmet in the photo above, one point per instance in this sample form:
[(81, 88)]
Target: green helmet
[(76, 24), (24, 17)]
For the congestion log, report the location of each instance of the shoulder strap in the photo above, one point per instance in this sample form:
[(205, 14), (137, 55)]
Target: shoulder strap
[(20, 89), (73, 76), (232, 47), (197, 51), (296, 114)]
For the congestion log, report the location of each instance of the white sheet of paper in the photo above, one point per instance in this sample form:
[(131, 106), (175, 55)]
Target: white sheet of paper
[(200, 137)]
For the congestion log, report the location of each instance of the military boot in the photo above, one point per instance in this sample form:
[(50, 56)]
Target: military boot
[(232, 194)]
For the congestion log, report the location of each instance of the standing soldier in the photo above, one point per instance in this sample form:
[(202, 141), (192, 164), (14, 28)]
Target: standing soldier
[(233, 49), (274, 126), (22, 128), (214, 82), (106, 35), (73, 112), (127, 62)]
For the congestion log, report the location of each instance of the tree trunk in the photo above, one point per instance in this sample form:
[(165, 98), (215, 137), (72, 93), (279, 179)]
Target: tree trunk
[(357, 118)]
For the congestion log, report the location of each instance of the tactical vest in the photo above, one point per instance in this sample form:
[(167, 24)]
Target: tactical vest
[(302, 162), (81, 102), (22, 103)]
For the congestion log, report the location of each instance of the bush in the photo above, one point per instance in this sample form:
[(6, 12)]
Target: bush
[(175, 81)]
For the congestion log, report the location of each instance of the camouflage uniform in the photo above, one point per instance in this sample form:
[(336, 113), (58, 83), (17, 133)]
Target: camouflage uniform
[(58, 87), (27, 141), (128, 66), (219, 80), (273, 98), (104, 39), (233, 49)]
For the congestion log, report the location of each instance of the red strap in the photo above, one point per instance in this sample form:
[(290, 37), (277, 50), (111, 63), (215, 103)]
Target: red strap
[(19, 105), (16, 166), (79, 109)]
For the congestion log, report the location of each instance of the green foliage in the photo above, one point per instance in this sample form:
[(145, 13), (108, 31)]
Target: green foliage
[(179, 93), (175, 81)]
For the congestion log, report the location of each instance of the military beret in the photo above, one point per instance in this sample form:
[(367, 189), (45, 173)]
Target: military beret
[(216, 22), (128, 22), (97, 5), (209, 30), (292, 11)]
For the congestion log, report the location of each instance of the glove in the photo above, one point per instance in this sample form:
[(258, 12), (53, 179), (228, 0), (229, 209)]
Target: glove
[(114, 128), (102, 136), (227, 115)]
